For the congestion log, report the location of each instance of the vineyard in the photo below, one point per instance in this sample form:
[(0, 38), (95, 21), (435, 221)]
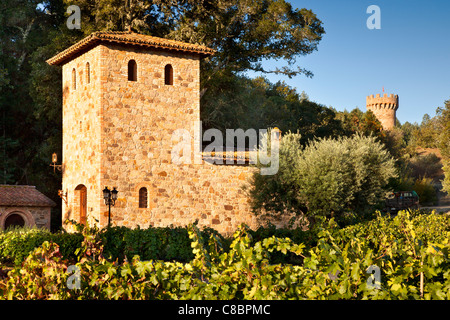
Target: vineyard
[(401, 257)]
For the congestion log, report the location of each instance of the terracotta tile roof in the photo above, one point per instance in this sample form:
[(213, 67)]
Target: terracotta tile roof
[(12, 195), (128, 38)]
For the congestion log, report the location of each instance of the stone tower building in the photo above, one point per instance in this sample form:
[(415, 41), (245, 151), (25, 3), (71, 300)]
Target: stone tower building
[(384, 107), (124, 95)]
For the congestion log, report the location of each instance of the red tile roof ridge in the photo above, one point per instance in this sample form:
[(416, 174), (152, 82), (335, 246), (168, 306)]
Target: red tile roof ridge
[(129, 38)]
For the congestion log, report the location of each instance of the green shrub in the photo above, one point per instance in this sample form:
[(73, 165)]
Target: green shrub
[(426, 191), (328, 176), (17, 243), (427, 166), (68, 243), (153, 243)]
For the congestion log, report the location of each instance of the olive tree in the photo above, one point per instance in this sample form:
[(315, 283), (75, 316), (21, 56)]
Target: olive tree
[(325, 177)]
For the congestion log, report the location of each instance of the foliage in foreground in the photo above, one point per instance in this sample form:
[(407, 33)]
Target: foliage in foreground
[(410, 251)]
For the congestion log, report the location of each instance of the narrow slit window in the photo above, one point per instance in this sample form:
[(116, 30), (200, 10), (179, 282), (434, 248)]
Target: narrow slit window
[(143, 197), (74, 79), (88, 72), (168, 75), (132, 70)]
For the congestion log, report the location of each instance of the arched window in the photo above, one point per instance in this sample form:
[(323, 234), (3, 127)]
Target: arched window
[(132, 70), (81, 202), (168, 75), (88, 73), (74, 79), (143, 196)]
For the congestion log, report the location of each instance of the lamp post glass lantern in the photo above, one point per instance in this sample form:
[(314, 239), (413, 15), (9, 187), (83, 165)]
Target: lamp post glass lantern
[(277, 133), (110, 197), (54, 161), (114, 193)]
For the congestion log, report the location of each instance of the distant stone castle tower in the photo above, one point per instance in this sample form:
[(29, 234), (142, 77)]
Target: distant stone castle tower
[(384, 107)]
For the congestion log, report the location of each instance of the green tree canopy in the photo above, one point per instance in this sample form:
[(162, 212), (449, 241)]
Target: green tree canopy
[(243, 32), (357, 121), (241, 102)]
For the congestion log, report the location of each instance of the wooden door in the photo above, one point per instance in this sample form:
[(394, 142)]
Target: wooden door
[(83, 205)]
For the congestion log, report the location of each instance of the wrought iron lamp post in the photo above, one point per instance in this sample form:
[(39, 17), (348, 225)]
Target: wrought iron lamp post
[(110, 197), (61, 194)]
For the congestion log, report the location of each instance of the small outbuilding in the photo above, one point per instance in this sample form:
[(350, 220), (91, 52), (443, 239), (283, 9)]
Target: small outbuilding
[(24, 206)]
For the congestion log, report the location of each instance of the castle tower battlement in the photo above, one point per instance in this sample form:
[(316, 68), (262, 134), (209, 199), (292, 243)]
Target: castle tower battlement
[(384, 107)]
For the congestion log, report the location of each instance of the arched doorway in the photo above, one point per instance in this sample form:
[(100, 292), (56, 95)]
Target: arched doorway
[(81, 202), (14, 220)]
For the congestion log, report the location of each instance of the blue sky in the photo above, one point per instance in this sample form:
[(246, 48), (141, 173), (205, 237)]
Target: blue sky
[(408, 56)]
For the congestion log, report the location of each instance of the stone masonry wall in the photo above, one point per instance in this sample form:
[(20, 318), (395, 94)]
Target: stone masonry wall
[(118, 133), (81, 135), (385, 116), (140, 118), (33, 216)]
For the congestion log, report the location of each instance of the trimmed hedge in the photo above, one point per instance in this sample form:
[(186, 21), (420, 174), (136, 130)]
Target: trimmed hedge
[(163, 243), (17, 244)]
